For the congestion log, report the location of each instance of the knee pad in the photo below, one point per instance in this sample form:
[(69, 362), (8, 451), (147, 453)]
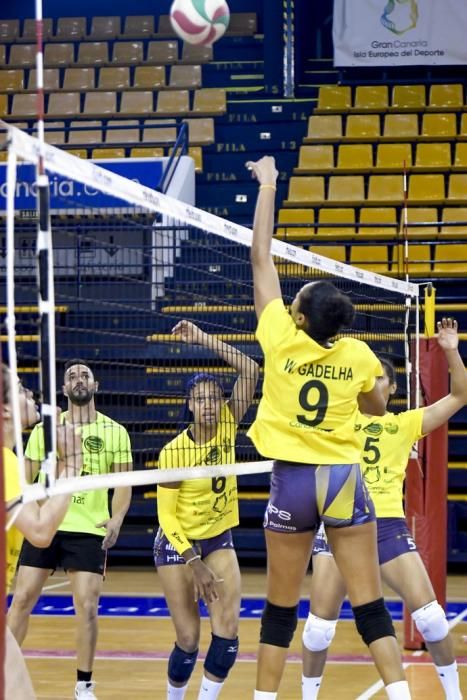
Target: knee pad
[(221, 656), (431, 622), (318, 633), (373, 621), (181, 664), (278, 625)]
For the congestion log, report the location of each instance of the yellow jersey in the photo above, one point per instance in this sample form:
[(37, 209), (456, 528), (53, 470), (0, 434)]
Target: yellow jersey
[(309, 405), (386, 442), (14, 538), (205, 507)]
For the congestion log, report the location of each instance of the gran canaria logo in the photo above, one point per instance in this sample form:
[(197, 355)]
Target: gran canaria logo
[(94, 443), (400, 16)]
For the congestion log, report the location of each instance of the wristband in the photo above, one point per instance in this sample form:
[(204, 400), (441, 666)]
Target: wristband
[(196, 556), (267, 187)]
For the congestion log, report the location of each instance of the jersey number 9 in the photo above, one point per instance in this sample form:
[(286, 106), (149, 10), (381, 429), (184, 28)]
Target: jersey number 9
[(314, 389)]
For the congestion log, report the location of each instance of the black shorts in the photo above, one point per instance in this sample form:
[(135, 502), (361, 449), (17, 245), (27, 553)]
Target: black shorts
[(72, 551)]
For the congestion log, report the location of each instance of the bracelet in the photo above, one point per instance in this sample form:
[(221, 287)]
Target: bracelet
[(267, 187), (196, 556)]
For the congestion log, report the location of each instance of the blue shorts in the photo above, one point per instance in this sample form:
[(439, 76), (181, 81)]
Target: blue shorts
[(165, 553), (394, 539), (304, 495)]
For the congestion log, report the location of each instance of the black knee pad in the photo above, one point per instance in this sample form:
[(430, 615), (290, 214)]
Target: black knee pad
[(221, 656), (278, 625), (373, 621), (181, 664)]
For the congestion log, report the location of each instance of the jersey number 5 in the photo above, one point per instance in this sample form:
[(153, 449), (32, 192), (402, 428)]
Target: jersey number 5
[(218, 484), (371, 449), (314, 389)]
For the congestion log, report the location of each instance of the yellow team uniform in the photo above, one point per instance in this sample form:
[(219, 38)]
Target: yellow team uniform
[(309, 405), (386, 442), (204, 507), (14, 538)]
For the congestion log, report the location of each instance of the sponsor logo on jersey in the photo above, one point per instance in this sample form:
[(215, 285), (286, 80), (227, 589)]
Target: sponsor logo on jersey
[(374, 429), (94, 443)]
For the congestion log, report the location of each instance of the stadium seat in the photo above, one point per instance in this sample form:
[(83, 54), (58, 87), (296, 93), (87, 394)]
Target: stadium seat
[(185, 76), (392, 157), (164, 26), (70, 29), (162, 52), (460, 158), (363, 127), (419, 259), (305, 190), (200, 131), (385, 188), (324, 128), (454, 214), (9, 30), (51, 79), (451, 260), (88, 137), (295, 217), (52, 136), (98, 104), (355, 157), (130, 134), (346, 188), (426, 188), (334, 98), (137, 102), (22, 55), (196, 152), (59, 55), (145, 152), (409, 98), (175, 102), (108, 153), (126, 53), (438, 127), (12, 80), (104, 28), (192, 53), (458, 188), (463, 128), (315, 158), (377, 216), (416, 215), (79, 79), (165, 132), (336, 216), (29, 30), (242, 24), (335, 252), (371, 98), (148, 77), (4, 105), (400, 127), (114, 78), (210, 101), (78, 152), (64, 104), (93, 53), (2, 55), (446, 97), (138, 27), (23, 105), (432, 157), (368, 257)]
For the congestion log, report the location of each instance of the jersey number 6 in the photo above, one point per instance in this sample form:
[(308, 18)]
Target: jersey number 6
[(319, 406)]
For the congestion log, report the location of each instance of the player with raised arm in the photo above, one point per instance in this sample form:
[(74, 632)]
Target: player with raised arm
[(305, 422), (386, 443), (87, 532), (193, 551)]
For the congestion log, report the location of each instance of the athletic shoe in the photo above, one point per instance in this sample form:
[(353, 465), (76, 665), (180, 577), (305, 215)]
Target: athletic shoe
[(85, 691)]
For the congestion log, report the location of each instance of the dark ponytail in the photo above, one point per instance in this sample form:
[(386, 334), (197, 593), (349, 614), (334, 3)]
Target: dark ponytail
[(326, 309)]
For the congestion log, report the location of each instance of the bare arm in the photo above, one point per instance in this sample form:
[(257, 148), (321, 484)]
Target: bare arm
[(265, 278), (121, 500), (439, 412), (372, 402)]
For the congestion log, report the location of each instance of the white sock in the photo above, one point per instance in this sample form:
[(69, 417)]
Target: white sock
[(310, 687), (398, 690), (449, 677), (209, 690), (264, 695), (174, 693)]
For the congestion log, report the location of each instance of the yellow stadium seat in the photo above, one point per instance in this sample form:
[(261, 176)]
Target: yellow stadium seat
[(148, 77), (2, 55), (419, 260), (98, 104), (114, 78), (400, 127), (394, 157), (70, 29), (23, 105), (463, 129), (371, 98), (446, 97), (86, 135), (192, 53), (295, 217), (355, 157), (426, 188), (409, 98), (78, 152), (104, 28), (185, 76), (52, 136), (433, 157), (383, 189), (162, 52), (315, 158), (22, 55), (12, 80), (346, 188), (51, 79), (145, 152), (333, 216), (164, 26), (93, 53), (439, 127), (335, 252), (242, 24), (127, 53), (3, 156), (458, 188), (377, 216), (334, 98), (363, 127), (9, 30), (454, 214), (137, 102), (209, 101), (59, 55), (417, 215), (138, 26), (29, 30), (108, 153), (79, 79), (173, 103), (451, 260), (200, 131), (324, 128), (4, 105), (460, 158), (159, 131), (66, 104), (128, 134), (196, 152), (368, 257), (306, 189)]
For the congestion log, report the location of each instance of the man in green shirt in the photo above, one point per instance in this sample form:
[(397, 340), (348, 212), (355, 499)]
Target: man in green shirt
[(88, 529)]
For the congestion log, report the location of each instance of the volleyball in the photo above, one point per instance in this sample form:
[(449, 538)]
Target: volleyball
[(199, 21)]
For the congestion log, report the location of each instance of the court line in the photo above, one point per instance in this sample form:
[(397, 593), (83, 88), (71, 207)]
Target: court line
[(56, 585)]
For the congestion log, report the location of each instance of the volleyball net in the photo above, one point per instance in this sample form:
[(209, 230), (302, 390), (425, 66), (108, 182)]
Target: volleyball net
[(129, 264)]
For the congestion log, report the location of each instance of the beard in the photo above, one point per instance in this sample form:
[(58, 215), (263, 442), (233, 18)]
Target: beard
[(81, 396)]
